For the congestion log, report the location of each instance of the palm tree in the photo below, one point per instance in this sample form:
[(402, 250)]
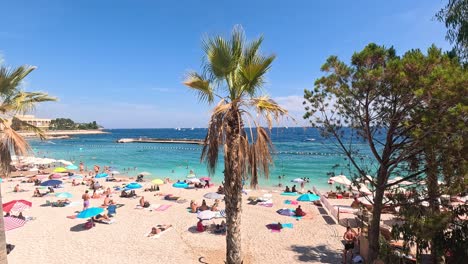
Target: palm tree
[(14, 101), (237, 69)]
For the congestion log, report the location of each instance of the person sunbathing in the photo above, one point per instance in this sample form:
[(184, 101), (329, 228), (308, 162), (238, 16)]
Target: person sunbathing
[(108, 191), (18, 189), (37, 193), (203, 207), (220, 190), (51, 190), (193, 206), (106, 201), (123, 194), (95, 195), (100, 217), (74, 183), (293, 189), (215, 205), (207, 184), (156, 230), (299, 211), (287, 189), (200, 226), (144, 203), (356, 203)]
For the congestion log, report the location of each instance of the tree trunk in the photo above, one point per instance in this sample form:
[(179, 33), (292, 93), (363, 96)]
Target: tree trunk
[(3, 250), (433, 194), (233, 189), (374, 229)]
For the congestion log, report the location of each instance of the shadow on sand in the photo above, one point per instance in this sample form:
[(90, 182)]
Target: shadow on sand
[(78, 228), (319, 253)]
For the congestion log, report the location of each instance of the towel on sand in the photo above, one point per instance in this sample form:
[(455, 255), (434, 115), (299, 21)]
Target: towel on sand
[(274, 227), (163, 207)]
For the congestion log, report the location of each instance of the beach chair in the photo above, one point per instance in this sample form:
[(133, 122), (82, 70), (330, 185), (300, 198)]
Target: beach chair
[(112, 210)]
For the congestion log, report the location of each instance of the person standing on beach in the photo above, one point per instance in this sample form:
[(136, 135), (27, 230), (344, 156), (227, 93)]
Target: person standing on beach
[(96, 169), (81, 166), (349, 238), (85, 198)]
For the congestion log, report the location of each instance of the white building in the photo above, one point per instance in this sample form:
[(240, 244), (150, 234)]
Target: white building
[(42, 123)]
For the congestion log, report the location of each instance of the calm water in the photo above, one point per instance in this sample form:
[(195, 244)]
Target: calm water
[(300, 152)]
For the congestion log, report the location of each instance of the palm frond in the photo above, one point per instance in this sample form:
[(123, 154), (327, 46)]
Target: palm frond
[(201, 85), (11, 143), (10, 79), (253, 73), (268, 108), (23, 102), (214, 137), (219, 56)]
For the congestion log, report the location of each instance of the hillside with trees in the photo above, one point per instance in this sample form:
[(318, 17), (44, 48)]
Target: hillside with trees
[(68, 124)]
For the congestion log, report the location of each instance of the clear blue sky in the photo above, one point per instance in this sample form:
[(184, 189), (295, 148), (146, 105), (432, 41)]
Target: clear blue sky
[(121, 63)]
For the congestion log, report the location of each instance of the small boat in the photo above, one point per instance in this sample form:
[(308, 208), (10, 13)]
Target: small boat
[(309, 139)]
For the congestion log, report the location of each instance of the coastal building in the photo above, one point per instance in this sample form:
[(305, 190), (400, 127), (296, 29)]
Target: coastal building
[(42, 123)]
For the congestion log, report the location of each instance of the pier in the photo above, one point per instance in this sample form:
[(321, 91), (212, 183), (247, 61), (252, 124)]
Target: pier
[(162, 140)]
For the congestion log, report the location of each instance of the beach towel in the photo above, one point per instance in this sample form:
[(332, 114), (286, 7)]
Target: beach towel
[(163, 207), (286, 212), (266, 204), (220, 214), (290, 202), (72, 204), (107, 222), (158, 235), (71, 216), (289, 193), (275, 228)]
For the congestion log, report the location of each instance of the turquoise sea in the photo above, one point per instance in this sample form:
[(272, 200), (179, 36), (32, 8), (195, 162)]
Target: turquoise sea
[(299, 152)]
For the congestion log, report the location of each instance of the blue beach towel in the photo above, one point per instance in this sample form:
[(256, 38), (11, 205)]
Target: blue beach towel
[(289, 193)]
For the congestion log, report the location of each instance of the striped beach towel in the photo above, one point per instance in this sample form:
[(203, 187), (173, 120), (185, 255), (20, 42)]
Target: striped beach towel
[(12, 223), (163, 207)]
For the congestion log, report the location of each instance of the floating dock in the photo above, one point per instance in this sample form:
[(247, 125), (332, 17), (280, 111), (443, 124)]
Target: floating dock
[(162, 140)]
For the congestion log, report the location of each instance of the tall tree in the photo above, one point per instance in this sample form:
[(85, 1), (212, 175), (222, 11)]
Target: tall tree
[(455, 17), (441, 128), (373, 98), (234, 73), (14, 101)]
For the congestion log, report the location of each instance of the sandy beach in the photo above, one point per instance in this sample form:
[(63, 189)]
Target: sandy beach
[(53, 238)]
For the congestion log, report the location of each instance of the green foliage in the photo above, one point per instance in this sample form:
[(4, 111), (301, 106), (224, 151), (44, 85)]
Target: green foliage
[(68, 124), (455, 17)]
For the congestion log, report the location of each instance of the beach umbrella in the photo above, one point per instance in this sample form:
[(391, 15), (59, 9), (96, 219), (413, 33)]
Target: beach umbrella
[(101, 175), (132, 186), (90, 212), (60, 169), (64, 195), (157, 181), (76, 176), (56, 176), (12, 222), (213, 195), (206, 215), (34, 169), (308, 197), (298, 180), (145, 173), (362, 188), (341, 179), (16, 206), (72, 167), (65, 162), (287, 212), (194, 180), (205, 178), (51, 183)]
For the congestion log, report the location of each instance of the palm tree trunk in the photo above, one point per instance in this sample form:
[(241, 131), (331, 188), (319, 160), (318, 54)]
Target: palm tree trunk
[(3, 250), (233, 189)]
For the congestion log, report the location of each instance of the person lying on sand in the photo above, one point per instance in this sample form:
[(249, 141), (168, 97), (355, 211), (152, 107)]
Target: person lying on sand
[(18, 189), (95, 195), (155, 230)]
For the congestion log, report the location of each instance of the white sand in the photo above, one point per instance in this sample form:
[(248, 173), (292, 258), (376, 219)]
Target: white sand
[(53, 238)]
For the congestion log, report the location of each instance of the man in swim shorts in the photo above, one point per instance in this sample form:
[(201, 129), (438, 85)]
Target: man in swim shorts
[(85, 198)]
